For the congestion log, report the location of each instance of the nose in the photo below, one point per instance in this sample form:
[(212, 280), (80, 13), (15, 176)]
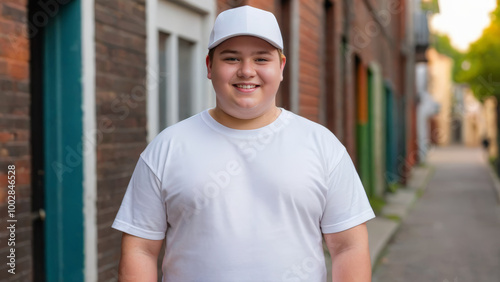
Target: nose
[(246, 69)]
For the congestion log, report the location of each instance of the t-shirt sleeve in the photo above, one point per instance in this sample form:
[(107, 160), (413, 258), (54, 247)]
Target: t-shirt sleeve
[(142, 212), (347, 204)]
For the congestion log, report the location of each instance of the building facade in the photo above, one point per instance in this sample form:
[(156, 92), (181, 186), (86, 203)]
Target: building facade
[(441, 89), (86, 85)]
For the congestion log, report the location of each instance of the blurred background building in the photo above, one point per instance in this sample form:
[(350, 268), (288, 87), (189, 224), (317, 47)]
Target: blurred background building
[(426, 106), (440, 87), (462, 118)]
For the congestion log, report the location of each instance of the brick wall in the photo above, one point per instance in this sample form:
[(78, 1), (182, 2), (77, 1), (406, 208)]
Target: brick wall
[(223, 5), (120, 28), (311, 59), (15, 136), (334, 71), (264, 5), (380, 44)]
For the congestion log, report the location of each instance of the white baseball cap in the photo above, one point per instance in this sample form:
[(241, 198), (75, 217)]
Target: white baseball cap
[(246, 20)]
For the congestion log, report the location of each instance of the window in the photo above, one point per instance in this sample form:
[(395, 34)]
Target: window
[(177, 79), (178, 87), (186, 95)]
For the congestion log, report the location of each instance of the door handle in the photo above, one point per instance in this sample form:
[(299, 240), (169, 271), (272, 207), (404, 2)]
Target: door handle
[(40, 214)]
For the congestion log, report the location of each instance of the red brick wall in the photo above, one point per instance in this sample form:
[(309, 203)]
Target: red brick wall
[(334, 73), (223, 5), (15, 136), (377, 46), (121, 105), (311, 60), (261, 4), (264, 5), (267, 5)]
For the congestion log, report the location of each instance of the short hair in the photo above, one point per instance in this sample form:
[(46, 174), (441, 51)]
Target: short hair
[(212, 51)]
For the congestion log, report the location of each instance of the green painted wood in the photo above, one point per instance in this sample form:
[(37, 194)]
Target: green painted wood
[(63, 145), (402, 166), (363, 148), (363, 138), (391, 174), (371, 136), (378, 129), (365, 135)]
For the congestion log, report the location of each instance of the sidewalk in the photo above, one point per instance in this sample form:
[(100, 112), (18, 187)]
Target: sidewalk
[(382, 228), (452, 231)]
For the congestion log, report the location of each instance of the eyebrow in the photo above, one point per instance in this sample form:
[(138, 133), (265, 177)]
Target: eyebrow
[(229, 51)]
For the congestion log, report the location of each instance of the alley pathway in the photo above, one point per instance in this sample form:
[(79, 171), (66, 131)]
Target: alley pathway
[(453, 232)]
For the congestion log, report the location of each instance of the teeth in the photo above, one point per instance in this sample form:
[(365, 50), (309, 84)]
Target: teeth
[(244, 86)]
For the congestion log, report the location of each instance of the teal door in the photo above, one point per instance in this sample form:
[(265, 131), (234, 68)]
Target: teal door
[(63, 147), (401, 125), (391, 148)]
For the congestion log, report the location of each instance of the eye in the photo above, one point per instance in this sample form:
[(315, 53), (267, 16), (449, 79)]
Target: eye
[(230, 59), (261, 60)]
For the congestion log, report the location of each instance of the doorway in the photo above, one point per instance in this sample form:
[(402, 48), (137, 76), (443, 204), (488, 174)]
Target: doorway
[(364, 138), (57, 147)]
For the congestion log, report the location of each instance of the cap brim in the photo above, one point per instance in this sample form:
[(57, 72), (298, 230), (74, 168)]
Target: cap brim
[(218, 42)]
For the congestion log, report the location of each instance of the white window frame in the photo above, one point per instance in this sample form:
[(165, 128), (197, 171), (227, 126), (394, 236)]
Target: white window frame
[(203, 94)]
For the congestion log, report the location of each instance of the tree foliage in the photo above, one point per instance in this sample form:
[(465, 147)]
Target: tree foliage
[(481, 69)]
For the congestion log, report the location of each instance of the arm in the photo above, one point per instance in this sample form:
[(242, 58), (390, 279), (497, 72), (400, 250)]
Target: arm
[(350, 254), (138, 259)]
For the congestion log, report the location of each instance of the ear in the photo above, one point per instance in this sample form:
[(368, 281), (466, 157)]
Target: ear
[(282, 67), (209, 67)]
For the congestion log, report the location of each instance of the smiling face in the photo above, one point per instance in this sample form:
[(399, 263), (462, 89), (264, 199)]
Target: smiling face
[(246, 72)]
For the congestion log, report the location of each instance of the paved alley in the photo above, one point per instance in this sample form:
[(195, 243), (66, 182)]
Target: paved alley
[(452, 233)]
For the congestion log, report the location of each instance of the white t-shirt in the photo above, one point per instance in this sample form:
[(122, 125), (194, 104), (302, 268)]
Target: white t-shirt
[(243, 205)]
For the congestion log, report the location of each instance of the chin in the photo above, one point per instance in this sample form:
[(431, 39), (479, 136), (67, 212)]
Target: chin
[(246, 109), (245, 113)]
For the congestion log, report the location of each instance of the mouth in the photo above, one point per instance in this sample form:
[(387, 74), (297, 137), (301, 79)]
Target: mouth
[(246, 87)]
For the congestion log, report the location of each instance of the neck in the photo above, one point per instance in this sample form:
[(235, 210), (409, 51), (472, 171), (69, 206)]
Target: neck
[(244, 124)]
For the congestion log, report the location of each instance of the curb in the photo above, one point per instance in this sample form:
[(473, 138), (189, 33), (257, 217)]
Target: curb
[(382, 229), (495, 179), (380, 232)]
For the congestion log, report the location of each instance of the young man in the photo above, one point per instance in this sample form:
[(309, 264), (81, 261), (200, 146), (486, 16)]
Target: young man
[(245, 191)]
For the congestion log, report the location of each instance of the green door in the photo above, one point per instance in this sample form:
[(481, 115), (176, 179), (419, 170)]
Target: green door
[(363, 134), (391, 148), (402, 166), (370, 132), (62, 107)]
